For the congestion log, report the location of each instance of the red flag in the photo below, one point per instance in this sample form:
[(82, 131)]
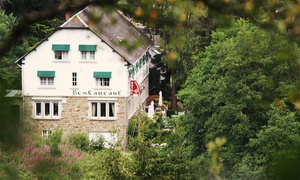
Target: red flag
[(134, 88)]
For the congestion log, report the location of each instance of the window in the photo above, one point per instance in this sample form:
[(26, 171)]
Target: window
[(46, 133), (85, 54), (61, 55), (46, 78), (102, 79), (61, 51), (87, 51), (46, 81), (74, 79), (102, 110), (46, 109), (103, 82), (92, 54)]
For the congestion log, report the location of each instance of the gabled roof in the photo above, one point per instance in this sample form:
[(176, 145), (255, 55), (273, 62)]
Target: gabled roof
[(114, 29)]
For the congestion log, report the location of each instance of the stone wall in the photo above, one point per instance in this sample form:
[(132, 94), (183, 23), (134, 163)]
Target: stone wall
[(74, 118)]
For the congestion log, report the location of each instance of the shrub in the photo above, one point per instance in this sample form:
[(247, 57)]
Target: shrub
[(171, 112), (97, 145), (55, 140), (80, 141), (39, 161)]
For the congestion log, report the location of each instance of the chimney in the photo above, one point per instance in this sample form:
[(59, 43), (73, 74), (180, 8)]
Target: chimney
[(68, 15)]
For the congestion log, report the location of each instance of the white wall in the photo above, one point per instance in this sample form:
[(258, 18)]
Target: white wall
[(43, 59)]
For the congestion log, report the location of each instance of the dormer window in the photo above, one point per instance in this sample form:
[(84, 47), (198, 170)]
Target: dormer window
[(61, 51), (87, 51)]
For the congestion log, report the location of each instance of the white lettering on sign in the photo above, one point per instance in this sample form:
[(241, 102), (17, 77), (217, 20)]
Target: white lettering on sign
[(96, 93)]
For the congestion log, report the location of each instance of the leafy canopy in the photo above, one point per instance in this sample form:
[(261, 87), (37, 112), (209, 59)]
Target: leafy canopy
[(243, 71)]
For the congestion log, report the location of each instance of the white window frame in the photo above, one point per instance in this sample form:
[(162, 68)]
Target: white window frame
[(43, 106), (96, 108), (86, 54), (47, 81), (61, 55), (46, 133), (92, 54), (102, 82)]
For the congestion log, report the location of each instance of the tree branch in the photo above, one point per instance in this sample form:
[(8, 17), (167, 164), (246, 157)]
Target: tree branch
[(37, 16)]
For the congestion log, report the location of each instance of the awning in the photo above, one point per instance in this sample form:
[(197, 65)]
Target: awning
[(102, 74), (61, 47), (13, 93), (46, 73), (87, 47)]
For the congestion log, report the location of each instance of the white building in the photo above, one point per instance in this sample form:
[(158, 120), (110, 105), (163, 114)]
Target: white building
[(79, 77)]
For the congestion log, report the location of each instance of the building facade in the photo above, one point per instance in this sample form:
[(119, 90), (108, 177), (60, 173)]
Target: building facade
[(80, 78)]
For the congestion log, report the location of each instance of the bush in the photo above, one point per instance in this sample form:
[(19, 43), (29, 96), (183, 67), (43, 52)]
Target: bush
[(80, 141), (55, 140), (171, 112), (42, 162), (97, 145)]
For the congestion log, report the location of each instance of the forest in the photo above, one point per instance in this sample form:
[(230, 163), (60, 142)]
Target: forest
[(232, 65)]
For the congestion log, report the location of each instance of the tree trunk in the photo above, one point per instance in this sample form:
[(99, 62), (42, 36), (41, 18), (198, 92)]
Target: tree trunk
[(173, 91)]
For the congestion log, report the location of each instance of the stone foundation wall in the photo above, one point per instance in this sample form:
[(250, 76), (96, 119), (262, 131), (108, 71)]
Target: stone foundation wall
[(74, 118)]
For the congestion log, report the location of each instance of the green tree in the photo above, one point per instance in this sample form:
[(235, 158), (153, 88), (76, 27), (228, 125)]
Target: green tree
[(180, 45), (9, 74), (230, 91), (55, 140), (8, 79), (177, 153), (275, 150), (185, 30), (159, 154), (21, 7), (112, 164)]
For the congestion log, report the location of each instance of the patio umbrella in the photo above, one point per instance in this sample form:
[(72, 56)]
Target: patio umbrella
[(160, 102), (151, 110)]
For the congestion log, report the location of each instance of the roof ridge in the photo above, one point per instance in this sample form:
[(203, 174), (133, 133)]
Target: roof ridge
[(70, 19)]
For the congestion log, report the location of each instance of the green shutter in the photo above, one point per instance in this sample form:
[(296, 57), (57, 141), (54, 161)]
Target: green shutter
[(145, 58), (136, 68), (131, 71), (87, 47), (46, 73), (61, 47), (102, 74), (143, 61), (148, 55)]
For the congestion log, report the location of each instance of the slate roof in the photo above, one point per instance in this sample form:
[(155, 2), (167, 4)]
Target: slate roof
[(113, 28)]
